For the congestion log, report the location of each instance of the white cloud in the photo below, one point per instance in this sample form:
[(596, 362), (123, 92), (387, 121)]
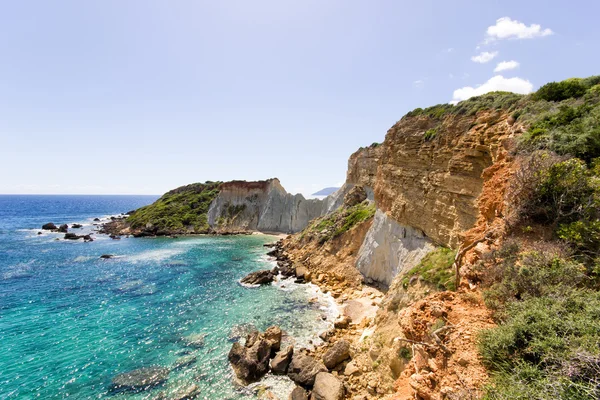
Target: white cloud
[(506, 28), (498, 82), (506, 65), (419, 83), (484, 57)]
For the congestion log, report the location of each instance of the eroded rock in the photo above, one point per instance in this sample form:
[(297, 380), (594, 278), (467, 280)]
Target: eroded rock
[(327, 387), (140, 379), (339, 352), (304, 368)]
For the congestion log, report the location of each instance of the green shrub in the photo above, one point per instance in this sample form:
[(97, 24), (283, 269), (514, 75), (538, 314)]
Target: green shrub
[(180, 210), (430, 134), (557, 91), (435, 268), (547, 348), (340, 221)]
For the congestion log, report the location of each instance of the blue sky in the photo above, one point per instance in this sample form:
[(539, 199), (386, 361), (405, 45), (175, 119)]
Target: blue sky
[(143, 96)]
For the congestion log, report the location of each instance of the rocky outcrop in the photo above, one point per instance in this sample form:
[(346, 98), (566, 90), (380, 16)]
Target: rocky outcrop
[(390, 248), (282, 359), (49, 226), (304, 368), (258, 278), (261, 206), (362, 167), (433, 184), (251, 360)]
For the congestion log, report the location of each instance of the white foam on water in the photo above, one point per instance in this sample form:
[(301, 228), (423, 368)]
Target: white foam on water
[(154, 255), (82, 258)]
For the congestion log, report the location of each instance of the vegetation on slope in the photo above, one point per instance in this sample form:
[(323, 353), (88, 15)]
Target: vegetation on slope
[(340, 221), (543, 283), (182, 210), (435, 268)]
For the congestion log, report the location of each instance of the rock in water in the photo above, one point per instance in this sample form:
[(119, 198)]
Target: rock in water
[(194, 340), (76, 226), (185, 392), (140, 379), (251, 361), (63, 228), (299, 393), (71, 236), (280, 362), (184, 361), (327, 387), (49, 226), (106, 256), (339, 352), (304, 368), (273, 336), (258, 278)]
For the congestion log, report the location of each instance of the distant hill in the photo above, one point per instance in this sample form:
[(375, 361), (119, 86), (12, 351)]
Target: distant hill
[(325, 192)]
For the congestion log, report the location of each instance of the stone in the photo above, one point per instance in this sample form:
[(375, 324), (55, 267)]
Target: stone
[(140, 379), (281, 361), (299, 393), (304, 368), (327, 387), (49, 227), (72, 236), (76, 226), (195, 340), (96, 219), (342, 322), (340, 351), (251, 360), (273, 336), (258, 278), (63, 228), (301, 272), (107, 256), (355, 196), (351, 368)]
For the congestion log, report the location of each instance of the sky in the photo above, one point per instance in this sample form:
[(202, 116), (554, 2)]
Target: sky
[(141, 96)]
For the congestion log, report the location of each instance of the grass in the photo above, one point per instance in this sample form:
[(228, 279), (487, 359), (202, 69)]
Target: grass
[(435, 268), (340, 221), (182, 210)]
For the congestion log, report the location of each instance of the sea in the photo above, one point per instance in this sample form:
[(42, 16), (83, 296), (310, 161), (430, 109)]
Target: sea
[(71, 321)]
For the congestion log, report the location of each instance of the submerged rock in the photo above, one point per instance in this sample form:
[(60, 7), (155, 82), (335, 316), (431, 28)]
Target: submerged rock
[(339, 352), (194, 340), (72, 236), (304, 368), (140, 379), (76, 226), (327, 387), (258, 278), (185, 392), (107, 256), (63, 228), (184, 361), (49, 226)]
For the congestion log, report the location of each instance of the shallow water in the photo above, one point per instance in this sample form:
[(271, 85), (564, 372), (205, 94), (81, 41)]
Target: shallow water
[(70, 321)]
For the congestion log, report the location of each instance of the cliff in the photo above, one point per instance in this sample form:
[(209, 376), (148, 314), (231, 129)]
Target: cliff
[(263, 206)]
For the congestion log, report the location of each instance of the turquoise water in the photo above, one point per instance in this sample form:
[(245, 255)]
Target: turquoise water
[(70, 321)]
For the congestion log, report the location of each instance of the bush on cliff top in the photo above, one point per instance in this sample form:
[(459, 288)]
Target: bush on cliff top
[(181, 210)]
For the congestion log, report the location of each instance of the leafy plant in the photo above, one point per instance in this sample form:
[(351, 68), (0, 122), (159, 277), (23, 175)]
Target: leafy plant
[(435, 268)]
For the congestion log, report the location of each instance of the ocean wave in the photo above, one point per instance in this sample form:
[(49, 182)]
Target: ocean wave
[(18, 271), (154, 255)]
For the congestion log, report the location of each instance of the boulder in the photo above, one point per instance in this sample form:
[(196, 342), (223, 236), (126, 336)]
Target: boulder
[(301, 272), (279, 364), (96, 219), (251, 361), (273, 336), (76, 226), (339, 352), (327, 387), (49, 226), (355, 196), (87, 238), (298, 393), (63, 228), (342, 323), (304, 368), (258, 278), (140, 379), (72, 236), (106, 256)]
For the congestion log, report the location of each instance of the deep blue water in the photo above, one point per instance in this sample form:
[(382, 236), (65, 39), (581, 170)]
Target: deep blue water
[(70, 321)]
